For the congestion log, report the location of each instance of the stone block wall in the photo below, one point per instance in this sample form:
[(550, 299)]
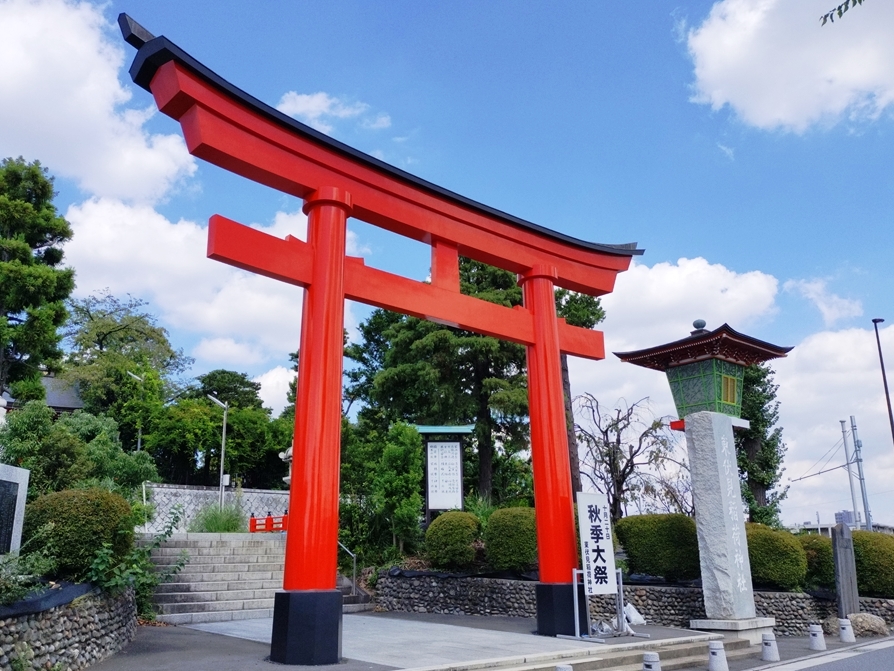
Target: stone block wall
[(667, 606), (72, 636), (191, 499)]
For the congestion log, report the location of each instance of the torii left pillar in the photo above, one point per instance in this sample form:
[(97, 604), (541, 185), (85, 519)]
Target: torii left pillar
[(307, 615)]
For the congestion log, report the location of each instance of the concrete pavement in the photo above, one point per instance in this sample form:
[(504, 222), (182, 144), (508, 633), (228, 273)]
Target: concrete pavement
[(384, 641)]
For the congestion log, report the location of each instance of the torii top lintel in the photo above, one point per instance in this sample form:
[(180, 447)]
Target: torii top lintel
[(229, 128)]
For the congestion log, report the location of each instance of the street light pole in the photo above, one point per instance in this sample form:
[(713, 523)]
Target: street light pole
[(140, 414), (881, 360), (223, 446)]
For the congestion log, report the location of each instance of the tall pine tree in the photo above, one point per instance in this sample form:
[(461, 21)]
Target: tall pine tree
[(760, 449), (33, 287)]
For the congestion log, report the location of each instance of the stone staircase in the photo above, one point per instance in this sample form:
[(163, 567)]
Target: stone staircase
[(228, 577)]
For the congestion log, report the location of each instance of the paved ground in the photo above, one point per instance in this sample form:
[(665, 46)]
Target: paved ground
[(379, 642)]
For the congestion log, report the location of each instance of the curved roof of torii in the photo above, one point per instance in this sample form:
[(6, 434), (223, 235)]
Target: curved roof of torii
[(723, 343), (153, 52)]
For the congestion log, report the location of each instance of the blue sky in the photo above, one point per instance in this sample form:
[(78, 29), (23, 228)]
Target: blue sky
[(746, 149)]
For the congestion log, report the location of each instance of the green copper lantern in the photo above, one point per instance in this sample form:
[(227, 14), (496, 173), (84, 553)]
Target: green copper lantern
[(707, 369)]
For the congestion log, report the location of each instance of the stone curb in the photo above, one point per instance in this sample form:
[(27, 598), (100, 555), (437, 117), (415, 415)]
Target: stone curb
[(599, 650)]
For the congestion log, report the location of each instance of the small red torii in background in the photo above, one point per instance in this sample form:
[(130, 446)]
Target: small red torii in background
[(230, 129)]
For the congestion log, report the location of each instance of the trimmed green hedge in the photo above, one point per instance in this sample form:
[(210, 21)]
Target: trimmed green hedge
[(82, 521), (820, 564), (777, 558), (874, 556), (660, 545), (449, 538), (510, 540)]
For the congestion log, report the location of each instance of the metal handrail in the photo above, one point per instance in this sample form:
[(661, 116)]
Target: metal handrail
[(354, 558)]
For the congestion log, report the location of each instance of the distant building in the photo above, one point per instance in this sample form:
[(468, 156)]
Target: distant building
[(847, 517), (61, 396)]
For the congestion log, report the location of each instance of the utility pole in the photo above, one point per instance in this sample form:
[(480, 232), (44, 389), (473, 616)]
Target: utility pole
[(858, 445), (850, 473), (881, 360)]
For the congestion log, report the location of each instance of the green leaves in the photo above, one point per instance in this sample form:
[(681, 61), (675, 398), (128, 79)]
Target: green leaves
[(32, 288), (839, 11)]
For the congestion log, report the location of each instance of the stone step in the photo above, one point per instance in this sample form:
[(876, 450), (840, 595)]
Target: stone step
[(357, 607), (215, 616), (199, 565), (217, 586), (280, 543), (213, 606), (226, 576), (230, 596), (166, 551)]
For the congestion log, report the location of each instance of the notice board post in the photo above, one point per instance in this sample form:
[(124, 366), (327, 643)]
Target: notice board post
[(443, 452)]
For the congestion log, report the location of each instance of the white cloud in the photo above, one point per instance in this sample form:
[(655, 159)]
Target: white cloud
[(381, 121), (134, 249), (773, 64), (226, 350), (274, 387), (827, 377), (729, 152), (654, 305), (315, 108), (64, 105), (832, 307)]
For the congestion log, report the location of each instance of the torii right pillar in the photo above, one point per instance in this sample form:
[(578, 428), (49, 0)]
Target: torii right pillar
[(706, 374), (550, 460)]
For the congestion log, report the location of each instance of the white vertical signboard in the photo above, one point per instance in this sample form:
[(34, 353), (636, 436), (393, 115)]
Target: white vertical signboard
[(445, 476), (597, 551)]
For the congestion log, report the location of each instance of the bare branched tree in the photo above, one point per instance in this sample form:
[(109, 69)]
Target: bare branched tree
[(669, 489), (623, 449)]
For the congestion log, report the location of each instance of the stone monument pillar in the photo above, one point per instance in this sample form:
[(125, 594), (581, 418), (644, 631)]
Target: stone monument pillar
[(720, 524), (845, 571), (706, 372)]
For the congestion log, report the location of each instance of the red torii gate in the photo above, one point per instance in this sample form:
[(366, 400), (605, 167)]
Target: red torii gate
[(229, 128)]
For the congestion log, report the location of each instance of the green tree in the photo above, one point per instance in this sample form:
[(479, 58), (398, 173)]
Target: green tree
[(33, 287), (111, 343), (183, 438), (77, 450), (760, 450), (397, 484), (228, 386), (424, 373)]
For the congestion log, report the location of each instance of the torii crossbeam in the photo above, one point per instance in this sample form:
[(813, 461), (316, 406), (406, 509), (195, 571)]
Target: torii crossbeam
[(230, 129)]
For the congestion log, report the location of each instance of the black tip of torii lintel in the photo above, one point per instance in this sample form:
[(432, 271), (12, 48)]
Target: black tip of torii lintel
[(134, 34)]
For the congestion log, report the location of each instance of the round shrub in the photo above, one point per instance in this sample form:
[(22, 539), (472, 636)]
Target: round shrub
[(660, 545), (82, 521), (820, 564), (448, 540), (776, 557), (874, 556), (510, 540)]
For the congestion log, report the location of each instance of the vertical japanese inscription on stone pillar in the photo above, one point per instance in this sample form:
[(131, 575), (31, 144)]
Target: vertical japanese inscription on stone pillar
[(719, 517)]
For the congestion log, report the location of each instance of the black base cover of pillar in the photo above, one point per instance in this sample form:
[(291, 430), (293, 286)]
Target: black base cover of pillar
[(306, 627), (555, 609)]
